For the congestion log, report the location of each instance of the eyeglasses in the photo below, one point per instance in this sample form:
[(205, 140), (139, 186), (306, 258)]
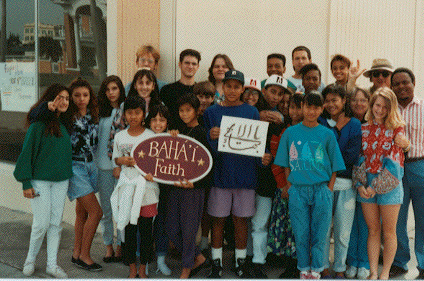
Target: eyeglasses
[(360, 101), (143, 60), (377, 74)]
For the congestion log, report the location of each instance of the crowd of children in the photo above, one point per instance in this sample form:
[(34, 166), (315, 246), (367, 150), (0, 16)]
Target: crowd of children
[(322, 172)]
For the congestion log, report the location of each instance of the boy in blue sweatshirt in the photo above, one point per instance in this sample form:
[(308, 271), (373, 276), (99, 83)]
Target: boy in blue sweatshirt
[(235, 176)]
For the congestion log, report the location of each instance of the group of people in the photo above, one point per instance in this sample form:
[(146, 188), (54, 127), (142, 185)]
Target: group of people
[(340, 161)]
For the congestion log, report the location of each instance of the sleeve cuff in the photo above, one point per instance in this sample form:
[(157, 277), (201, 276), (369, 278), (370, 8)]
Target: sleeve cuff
[(26, 185)]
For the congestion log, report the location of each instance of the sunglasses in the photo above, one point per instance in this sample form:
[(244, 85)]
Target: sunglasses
[(377, 74)]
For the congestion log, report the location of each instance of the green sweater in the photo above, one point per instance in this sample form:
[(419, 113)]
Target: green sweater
[(44, 157)]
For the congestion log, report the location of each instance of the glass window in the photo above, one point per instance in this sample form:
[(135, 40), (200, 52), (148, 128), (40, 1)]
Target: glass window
[(67, 50)]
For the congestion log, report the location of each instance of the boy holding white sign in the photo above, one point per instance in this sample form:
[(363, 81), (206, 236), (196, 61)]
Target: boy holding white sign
[(235, 176)]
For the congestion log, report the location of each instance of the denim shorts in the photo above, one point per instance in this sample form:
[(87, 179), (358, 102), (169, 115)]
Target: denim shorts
[(84, 180), (393, 197)]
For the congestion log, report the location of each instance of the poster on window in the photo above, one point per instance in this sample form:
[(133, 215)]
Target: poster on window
[(242, 136), (18, 87)]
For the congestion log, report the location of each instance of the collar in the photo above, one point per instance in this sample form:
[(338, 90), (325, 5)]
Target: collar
[(415, 100)]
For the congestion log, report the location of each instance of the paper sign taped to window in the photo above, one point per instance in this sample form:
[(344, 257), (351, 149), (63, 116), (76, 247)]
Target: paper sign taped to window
[(242, 136), (18, 86)]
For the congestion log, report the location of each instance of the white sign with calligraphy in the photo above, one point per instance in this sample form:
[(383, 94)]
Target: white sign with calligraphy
[(242, 136), (18, 86)]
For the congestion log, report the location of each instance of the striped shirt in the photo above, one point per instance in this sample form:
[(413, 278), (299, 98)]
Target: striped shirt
[(413, 114)]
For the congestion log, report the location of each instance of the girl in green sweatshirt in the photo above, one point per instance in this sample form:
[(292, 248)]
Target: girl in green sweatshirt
[(44, 167)]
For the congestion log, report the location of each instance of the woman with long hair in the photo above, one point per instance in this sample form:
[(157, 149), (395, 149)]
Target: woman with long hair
[(83, 185), (44, 167), (221, 63), (378, 177), (111, 95)]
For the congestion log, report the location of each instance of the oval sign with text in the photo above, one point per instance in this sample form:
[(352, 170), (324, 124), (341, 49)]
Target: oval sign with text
[(171, 159)]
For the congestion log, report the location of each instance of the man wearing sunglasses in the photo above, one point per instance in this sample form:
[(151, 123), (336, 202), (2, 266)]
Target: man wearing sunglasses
[(379, 74)]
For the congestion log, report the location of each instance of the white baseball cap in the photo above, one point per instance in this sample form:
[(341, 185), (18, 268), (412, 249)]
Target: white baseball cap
[(276, 80), (252, 83)]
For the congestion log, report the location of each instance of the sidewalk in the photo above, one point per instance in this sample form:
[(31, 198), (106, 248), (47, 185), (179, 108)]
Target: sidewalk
[(15, 229)]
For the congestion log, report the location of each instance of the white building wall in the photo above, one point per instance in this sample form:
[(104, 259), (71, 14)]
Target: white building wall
[(247, 31)]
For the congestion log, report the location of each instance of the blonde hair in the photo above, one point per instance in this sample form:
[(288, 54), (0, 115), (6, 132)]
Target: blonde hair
[(147, 49), (393, 119)]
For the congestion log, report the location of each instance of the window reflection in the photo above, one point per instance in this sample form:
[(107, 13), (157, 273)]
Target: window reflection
[(69, 46)]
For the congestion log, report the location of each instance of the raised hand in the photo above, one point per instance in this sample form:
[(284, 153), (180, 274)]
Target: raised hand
[(53, 105), (355, 71)]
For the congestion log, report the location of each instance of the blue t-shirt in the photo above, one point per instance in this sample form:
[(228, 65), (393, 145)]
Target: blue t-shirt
[(349, 139), (312, 154), (231, 170)]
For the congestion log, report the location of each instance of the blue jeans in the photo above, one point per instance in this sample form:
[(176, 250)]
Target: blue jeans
[(106, 184), (413, 186), (357, 254), (343, 213), (257, 245), (310, 213)]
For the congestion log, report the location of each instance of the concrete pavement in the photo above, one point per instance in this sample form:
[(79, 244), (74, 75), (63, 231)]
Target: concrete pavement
[(15, 229)]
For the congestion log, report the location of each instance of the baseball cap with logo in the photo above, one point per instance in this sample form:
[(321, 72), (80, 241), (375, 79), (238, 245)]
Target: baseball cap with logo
[(252, 83), (234, 75), (276, 80)]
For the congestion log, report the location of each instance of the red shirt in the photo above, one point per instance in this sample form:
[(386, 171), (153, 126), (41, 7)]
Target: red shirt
[(149, 211), (378, 143), (279, 174)]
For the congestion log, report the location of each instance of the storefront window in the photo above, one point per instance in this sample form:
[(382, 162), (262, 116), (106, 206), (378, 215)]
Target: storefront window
[(71, 44)]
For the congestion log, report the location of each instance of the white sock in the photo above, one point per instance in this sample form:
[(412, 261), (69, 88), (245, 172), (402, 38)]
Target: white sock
[(164, 269), (204, 242), (217, 254), (240, 254)]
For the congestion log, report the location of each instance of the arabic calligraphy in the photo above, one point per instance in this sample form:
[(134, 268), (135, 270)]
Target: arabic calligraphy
[(242, 136)]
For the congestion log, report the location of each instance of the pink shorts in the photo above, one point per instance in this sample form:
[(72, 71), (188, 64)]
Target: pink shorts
[(225, 201)]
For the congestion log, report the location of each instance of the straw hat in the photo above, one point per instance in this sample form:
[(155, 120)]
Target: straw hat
[(379, 64)]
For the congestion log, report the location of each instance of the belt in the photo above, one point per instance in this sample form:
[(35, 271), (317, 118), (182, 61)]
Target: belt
[(409, 160), (89, 158)]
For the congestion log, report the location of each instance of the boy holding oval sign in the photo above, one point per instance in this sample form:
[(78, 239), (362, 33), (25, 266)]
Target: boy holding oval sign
[(185, 202)]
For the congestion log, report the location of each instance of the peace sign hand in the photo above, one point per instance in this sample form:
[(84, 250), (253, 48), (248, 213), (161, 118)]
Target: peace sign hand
[(53, 105)]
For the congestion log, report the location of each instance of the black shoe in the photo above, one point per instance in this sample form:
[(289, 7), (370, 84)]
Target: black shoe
[(90, 267), (290, 273), (396, 271), (241, 270), (216, 271), (109, 259), (196, 270), (258, 271), (74, 261)]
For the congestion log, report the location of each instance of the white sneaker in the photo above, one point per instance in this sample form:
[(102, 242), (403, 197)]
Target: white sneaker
[(314, 275), (28, 269), (363, 273), (56, 272), (351, 272), (304, 275)]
